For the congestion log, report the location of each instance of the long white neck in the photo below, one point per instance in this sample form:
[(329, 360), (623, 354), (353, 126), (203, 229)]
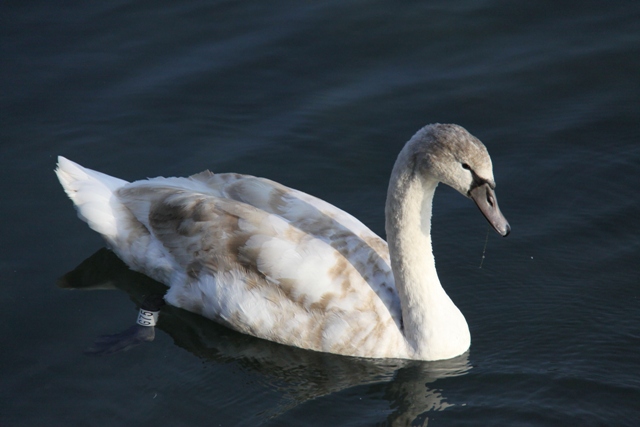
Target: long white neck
[(433, 326)]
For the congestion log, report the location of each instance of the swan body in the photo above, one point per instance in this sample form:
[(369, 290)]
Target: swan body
[(281, 265)]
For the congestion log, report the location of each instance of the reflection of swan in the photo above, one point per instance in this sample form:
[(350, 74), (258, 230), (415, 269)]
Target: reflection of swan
[(299, 376), (279, 264)]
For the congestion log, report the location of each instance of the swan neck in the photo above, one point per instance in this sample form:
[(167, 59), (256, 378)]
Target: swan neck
[(429, 316)]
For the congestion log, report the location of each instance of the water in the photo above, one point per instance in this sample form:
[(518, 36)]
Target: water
[(321, 97)]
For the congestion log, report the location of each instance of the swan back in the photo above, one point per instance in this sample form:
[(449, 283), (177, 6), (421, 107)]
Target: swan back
[(361, 248)]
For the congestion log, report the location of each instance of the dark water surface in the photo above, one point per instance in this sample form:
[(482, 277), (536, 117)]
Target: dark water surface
[(321, 96)]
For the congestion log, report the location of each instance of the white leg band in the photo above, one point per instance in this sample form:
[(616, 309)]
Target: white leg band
[(148, 317)]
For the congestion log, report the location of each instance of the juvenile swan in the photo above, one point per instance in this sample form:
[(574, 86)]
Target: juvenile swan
[(279, 264)]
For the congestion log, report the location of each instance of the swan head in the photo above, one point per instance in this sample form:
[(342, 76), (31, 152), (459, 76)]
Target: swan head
[(451, 155)]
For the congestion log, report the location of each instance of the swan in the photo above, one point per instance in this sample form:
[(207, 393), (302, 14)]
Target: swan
[(276, 263)]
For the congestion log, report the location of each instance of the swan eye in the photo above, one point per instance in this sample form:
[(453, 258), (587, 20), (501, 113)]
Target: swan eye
[(466, 166)]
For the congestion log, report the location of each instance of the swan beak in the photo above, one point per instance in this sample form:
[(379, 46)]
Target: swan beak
[(486, 200)]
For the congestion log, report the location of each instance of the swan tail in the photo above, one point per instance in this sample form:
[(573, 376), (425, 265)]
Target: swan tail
[(92, 193)]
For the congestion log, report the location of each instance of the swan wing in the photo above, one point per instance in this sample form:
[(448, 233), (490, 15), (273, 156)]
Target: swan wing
[(261, 273), (366, 251), (362, 248)]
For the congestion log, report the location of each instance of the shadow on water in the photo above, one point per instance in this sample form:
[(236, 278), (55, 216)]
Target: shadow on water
[(300, 375)]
